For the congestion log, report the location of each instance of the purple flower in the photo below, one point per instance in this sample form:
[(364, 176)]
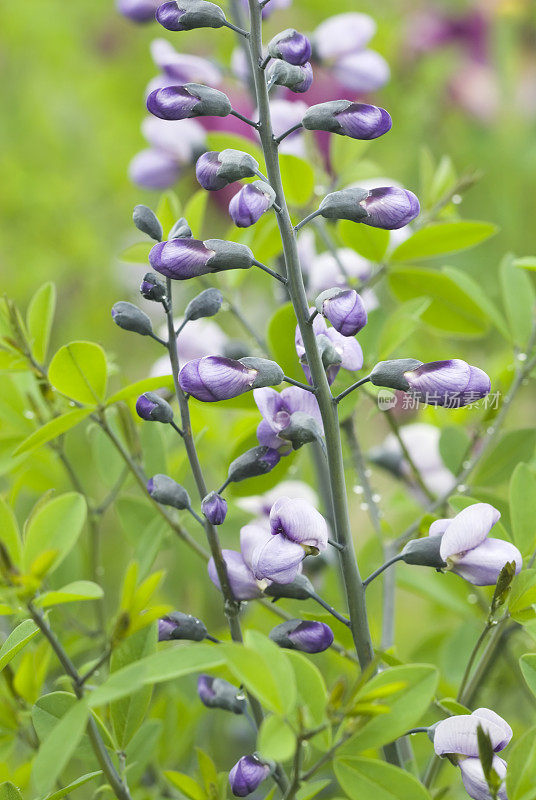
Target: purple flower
[(364, 71), (291, 46), (217, 693), (356, 120), (214, 507), (247, 774), (452, 383), (344, 309), (296, 78), (153, 408), (250, 203), (390, 207), (183, 67), (270, 557), (154, 169), (466, 549), (137, 10), (242, 580), (298, 521), (474, 781), (181, 142), (181, 258), (215, 170), (458, 735), (261, 505), (277, 409), (307, 636), (189, 100), (184, 15), (348, 348), (177, 625), (217, 378), (342, 35)]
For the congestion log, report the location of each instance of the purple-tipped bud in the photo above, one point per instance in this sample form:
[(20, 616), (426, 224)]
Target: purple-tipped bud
[(217, 693), (304, 635), (344, 308), (190, 100), (153, 408), (390, 208), (214, 507), (168, 492), (257, 461), (250, 203), (177, 625), (247, 774), (452, 383), (214, 170), (131, 318), (181, 259), (152, 288), (185, 15), (297, 79), (137, 10), (217, 378), (357, 120), (147, 222), (291, 46)]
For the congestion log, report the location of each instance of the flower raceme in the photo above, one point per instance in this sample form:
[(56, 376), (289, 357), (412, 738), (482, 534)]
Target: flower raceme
[(277, 409), (217, 378)]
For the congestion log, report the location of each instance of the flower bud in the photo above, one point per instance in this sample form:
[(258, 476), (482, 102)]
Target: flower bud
[(181, 259), (181, 230), (217, 378), (247, 774), (184, 15), (214, 170), (390, 208), (452, 383), (217, 693), (424, 552), (177, 625), (189, 100), (391, 374), (304, 635), (153, 408), (257, 461), (301, 429), (356, 120), (131, 318), (249, 204), (301, 588), (214, 507), (297, 79), (206, 304), (152, 287), (345, 204), (137, 10), (291, 46), (167, 492), (344, 308), (147, 222)]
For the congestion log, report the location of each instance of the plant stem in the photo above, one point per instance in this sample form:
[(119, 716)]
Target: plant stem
[(351, 388), (383, 567), (290, 130), (307, 219), (352, 580), (244, 119), (472, 657)]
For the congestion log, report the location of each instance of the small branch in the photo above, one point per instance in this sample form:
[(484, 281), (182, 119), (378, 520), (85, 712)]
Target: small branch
[(306, 220), (332, 611), (270, 272), (265, 61), (158, 339), (183, 324), (248, 121), (351, 388), (196, 516), (279, 139), (176, 428), (102, 660), (416, 730), (314, 313), (235, 28), (336, 545), (381, 569), (299, 384)]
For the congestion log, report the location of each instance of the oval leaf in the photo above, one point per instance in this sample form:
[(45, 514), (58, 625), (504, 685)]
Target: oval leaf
[(79, 371), (442, 238), (368, 778)]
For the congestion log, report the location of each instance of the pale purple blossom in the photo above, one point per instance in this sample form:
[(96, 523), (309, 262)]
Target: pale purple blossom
[(277, 409), (241, 578), (261, 505), (183, 67), (348, 349)]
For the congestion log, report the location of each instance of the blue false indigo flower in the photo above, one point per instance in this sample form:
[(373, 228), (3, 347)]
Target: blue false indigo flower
[(247, 774), (177, 625), (250, 203), (214, 170), (290, 46), (185, 15), (217, 693), (154, 169), (344, 308), (277, 409), (131, 318), (452, 383), (253, 463), (184, 258), (346, 348), (307, 636), (214, 507), (189, 100), (296, 78), (206, 304), (217, 378), (147, 222), (241, 579), (153, 408), (138, 10), (152, 287), (387, 207), (356, 120), (167, 492)]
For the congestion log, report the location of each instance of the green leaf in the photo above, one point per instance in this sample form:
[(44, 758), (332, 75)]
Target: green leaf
[(522, 768), (371, 243), (52, 429), (128, 713), (479, 296), (8, 791), (137, 253), (39, 320), (441, 238), (139, 387), (276, 740), (57, 749), (79, 371), (54, 528), (528, 668), (165, 665), (400, 325), (280, 336), (523, 508), (83, 779), (523, 592), (168, 211), (527, 262), (344, 154), (16, 640), (194, 211), (311, 789), (71, 593), (452, 310), (499, 462), (11, 538), (298, 179), (518, 298), (454, 446), (185, 784), (369, 778), (406, 705), (452, 706), (312, 695)]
